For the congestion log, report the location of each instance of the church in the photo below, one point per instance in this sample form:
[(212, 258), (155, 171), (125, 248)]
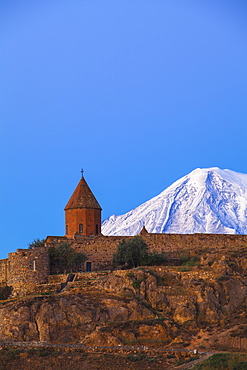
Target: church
[(83, 229)]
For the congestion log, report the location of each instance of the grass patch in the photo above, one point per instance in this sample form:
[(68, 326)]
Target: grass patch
[(224, 361), (41, 352), (184, 269), (138, 357)]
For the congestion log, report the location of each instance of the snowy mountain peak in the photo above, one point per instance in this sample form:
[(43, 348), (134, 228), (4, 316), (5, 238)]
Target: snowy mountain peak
[(207, 200)]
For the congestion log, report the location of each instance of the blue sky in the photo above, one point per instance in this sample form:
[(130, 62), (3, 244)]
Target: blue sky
[(137, 92)]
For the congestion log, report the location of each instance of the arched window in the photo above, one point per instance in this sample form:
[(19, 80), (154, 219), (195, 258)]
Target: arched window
[(97, 229), (67, 229), (80, 228)]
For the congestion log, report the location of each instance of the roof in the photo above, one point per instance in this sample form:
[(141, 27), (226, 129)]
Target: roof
[(143, 231), (82, 197)]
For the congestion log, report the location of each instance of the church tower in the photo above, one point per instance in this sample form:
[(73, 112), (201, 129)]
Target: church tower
[(82, 212)]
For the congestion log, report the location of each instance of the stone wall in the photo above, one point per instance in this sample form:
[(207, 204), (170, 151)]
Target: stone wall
[(176, 243), (100, 249), (28, 266)]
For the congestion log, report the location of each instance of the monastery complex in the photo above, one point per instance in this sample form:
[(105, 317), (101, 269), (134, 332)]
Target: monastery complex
[(83, 233)]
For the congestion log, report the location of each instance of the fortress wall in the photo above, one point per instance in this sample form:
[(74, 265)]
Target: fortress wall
[(28, 266), (100, 250), (176, 243), (3, 270)]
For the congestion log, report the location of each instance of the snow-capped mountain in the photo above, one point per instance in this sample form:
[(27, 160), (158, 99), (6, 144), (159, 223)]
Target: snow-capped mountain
[(208, 200)]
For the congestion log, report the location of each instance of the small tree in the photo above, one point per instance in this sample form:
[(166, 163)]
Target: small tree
[(76, 260), (131, 253), (134, 253), (36, 243), (64, 258)]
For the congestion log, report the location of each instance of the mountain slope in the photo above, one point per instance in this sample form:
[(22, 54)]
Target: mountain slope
[(207, 200)]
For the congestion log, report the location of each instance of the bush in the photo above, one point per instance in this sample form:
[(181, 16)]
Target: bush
[(184, 269), (184, 257), (136, 283), (156, 259), (135, 358), (187, 260), (41, 352), (13, 353)]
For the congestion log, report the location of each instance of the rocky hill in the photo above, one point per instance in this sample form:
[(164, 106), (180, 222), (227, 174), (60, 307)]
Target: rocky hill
[(207, 200), (201, 303)]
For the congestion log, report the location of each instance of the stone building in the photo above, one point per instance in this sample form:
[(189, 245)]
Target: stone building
[(25, 267)]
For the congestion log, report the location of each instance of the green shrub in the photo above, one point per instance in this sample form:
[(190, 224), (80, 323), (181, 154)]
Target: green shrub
[(131, 275), (136, 283), (41, 352), (156, 259), (240, 366), (37, 243), (184, 257), (13, 353), (184, 269), (134, 358), (44, 353)]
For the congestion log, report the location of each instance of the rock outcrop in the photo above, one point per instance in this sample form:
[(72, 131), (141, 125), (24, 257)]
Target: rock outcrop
[(202, 305)]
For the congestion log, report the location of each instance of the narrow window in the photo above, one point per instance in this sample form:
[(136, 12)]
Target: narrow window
[(88, 266), (97, 229), (67, 229), (80, 228), (34, 265)]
